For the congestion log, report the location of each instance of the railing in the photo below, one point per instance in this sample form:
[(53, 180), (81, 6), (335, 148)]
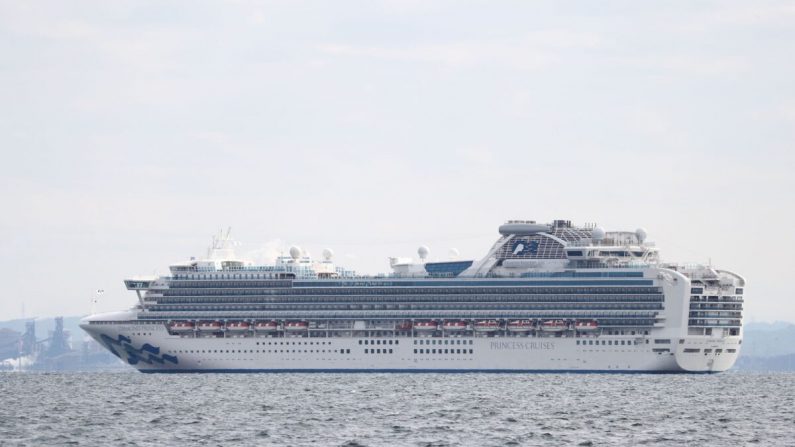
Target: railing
[(408, 314)]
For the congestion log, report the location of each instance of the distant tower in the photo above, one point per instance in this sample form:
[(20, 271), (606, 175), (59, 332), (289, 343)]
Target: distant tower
[(58, 342), (29, 338)]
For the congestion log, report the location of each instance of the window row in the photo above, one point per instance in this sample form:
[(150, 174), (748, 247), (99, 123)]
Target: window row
[(607, 342), (183, 297), (259, 351), (443, 351), (442, 342), (230, 288), (438, 306), (378, 342)]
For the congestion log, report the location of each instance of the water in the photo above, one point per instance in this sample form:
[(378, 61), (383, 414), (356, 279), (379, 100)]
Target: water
[(135, 409)]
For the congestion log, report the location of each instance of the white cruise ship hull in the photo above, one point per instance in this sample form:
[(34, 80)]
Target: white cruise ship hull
[(150, 348)]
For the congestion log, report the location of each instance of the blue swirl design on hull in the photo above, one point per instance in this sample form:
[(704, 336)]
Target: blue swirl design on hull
[(147, 353)]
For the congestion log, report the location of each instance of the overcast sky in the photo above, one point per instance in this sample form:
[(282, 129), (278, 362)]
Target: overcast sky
[(131, 131)]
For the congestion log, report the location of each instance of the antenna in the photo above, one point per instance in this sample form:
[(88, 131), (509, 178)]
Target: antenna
[(95, 299)]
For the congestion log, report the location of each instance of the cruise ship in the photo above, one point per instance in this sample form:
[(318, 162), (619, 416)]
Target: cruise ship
[(545, 297)]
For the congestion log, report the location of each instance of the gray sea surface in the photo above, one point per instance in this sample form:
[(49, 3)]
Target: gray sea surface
[(133, 409)]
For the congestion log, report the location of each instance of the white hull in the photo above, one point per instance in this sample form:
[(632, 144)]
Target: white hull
[(489, 354)]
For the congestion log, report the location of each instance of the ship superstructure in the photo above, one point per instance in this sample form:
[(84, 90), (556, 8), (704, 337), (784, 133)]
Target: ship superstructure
[(546, 297)]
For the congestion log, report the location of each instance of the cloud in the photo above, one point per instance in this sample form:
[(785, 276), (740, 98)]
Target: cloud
[(531, 51)]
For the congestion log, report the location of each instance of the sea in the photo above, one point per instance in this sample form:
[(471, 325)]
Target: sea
[(134, 409)]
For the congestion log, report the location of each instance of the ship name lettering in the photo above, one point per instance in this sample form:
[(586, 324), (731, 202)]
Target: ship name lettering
[(522, 345)]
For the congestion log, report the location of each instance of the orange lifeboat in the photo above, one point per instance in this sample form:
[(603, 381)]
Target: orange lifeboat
[(586, 325), (454, 325), (425, 326), (487, 326), (209, 326), (181, 326), (403, 326), (296, 326), (553, 326), (266, 326), (520, 325), (237, 326)]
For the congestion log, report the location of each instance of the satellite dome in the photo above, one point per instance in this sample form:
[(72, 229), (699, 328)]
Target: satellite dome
[(453, 253), (423, 251), (640, 233), (295, 252), (328, 254), (598, 234)]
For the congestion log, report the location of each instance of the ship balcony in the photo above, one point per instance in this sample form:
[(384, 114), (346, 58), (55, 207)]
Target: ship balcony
[(714, 323)]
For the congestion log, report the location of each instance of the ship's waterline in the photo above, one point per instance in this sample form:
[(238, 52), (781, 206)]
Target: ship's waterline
[(546, 297)]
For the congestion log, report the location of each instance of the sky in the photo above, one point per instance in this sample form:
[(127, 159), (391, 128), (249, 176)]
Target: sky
[(131, 131)]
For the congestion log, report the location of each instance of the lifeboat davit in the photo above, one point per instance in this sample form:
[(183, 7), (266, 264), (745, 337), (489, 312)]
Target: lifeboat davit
[(520, 325), (237, 326), (425, 326), (454, 325), (209, 326), (586, 325), (181, 326), (266, 326), (295, 326), (553, 326), (487, 326)]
